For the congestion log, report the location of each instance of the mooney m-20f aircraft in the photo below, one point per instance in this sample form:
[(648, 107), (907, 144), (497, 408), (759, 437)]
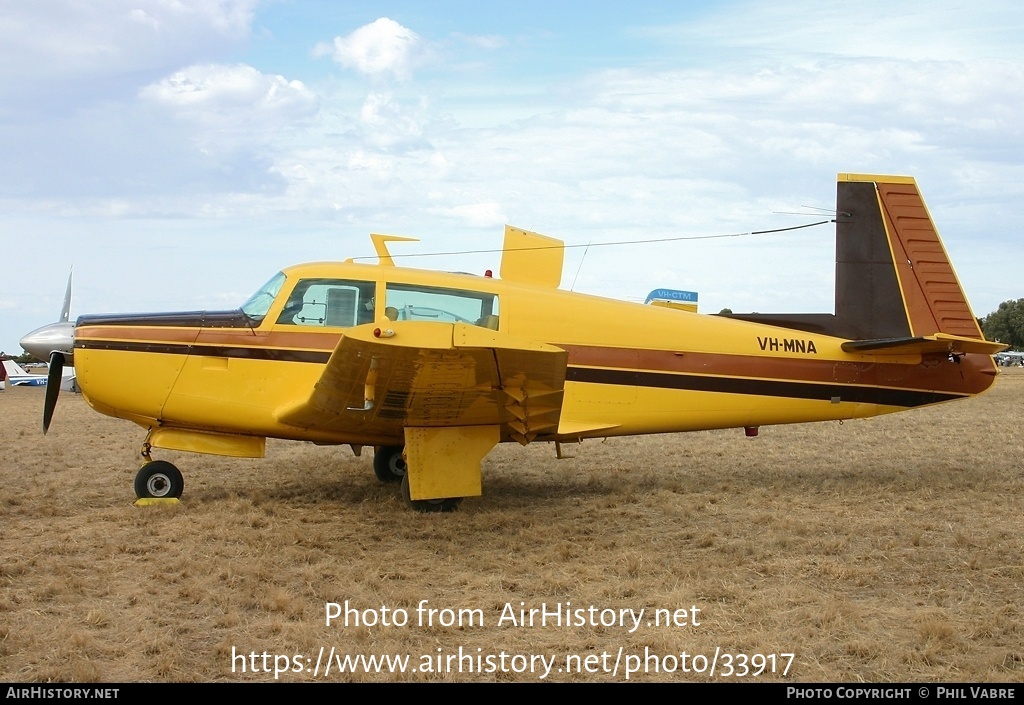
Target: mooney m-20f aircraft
[(434, 369)]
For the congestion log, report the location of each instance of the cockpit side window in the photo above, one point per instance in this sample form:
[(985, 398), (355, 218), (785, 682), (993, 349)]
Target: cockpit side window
[(339, 303), (407, 302), (259, 303)]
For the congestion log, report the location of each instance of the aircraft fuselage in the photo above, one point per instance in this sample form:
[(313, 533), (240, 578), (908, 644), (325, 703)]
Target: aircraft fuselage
[(632, 369)]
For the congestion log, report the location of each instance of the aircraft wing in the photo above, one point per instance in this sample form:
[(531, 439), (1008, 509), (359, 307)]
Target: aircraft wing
[(429, 374)]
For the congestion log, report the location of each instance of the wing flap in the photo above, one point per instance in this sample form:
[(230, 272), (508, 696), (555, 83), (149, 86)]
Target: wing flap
[(428, 374)]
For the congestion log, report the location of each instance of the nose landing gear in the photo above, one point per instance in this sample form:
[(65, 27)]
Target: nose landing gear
[(159, 479)]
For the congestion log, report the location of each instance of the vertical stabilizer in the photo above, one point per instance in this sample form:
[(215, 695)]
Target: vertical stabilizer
[(893, 276), (932, 293), (894, 279), (13, 369)]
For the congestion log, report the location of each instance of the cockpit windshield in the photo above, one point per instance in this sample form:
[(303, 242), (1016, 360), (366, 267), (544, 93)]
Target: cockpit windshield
[(259, 303)]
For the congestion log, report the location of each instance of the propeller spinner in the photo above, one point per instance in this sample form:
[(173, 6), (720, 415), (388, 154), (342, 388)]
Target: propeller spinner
[(54, 342)]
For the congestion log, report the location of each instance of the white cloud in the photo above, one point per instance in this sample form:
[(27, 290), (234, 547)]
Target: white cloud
[(941, 30), (45, 45), (236, 119), (236, 95), (829, 111), (380, 49), (389, 125), (488, 41), (631, 150), (379, 165), (476, 215)]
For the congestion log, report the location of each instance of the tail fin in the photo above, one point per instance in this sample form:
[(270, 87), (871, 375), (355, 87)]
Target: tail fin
[(12, 368), (894, 280), (893, 276)]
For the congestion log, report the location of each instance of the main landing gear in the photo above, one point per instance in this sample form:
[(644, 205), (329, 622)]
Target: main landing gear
[(389, 463), (389, 466), (158, 479), (446, 504)]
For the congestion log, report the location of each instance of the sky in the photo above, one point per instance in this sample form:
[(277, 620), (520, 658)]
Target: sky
[(177, 153)]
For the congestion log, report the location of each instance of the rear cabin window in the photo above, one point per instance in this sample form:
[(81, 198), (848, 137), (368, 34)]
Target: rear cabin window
[(338, 303), (422, 303)]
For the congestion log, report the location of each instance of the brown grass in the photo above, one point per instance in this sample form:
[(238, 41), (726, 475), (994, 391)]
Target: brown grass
[(887, 549)]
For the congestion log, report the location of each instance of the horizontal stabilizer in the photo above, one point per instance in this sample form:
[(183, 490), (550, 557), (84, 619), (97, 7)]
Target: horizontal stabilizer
[(938, 343)]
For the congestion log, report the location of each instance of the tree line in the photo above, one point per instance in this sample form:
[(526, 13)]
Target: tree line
[(1006, 324)]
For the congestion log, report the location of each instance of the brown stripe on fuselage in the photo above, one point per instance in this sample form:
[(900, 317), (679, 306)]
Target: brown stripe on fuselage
[(760, 387), (936, 377), (134, 335), (162, 335), (934, 373), (300, 338), (212, 336), (235, 351)]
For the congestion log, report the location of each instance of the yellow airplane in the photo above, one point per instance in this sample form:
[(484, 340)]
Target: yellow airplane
[(434, 369)]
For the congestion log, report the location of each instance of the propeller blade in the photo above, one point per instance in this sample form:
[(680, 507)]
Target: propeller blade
[(65, 311), (53, 378)]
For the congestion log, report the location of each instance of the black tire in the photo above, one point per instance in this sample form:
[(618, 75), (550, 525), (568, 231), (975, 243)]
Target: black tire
[(388, 463), (448, 504), (159, 479)]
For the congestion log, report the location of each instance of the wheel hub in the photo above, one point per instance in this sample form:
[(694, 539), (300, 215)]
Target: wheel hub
[(158, 485)]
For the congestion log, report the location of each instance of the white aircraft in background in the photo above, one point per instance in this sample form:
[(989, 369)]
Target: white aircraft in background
[(1009, 358), (18, 377)]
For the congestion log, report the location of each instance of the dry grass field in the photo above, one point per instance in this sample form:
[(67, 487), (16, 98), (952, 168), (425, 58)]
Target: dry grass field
[(888, 549)]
